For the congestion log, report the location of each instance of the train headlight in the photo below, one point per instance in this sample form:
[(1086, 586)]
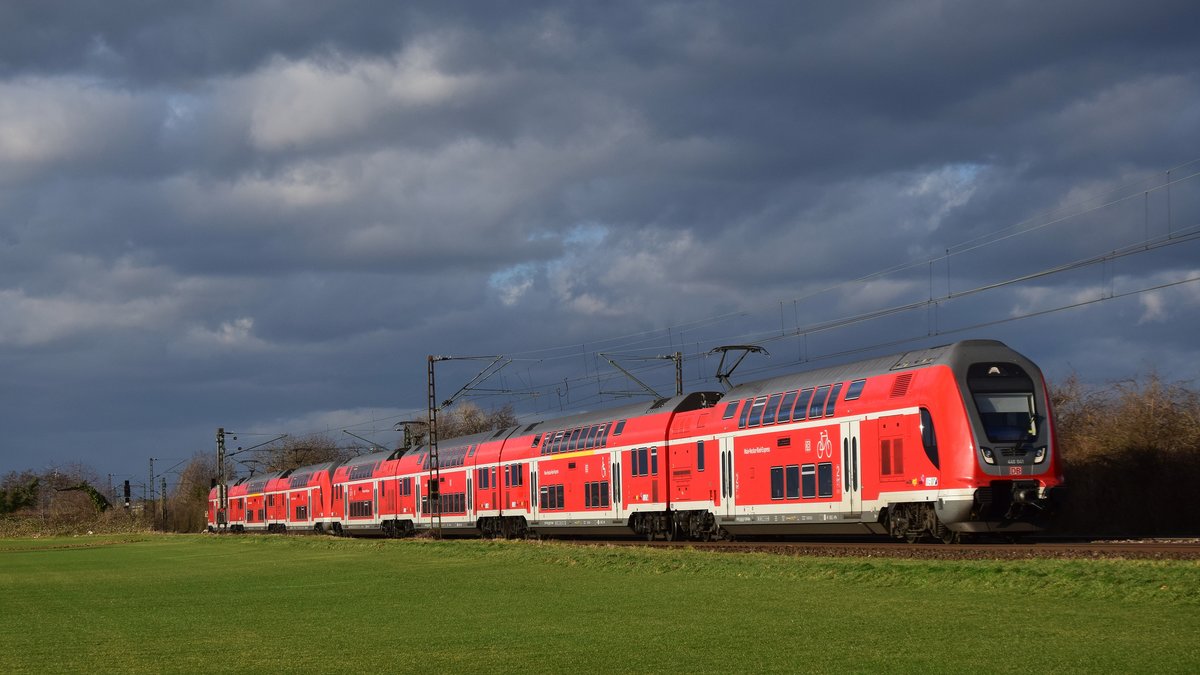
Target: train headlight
[(1040, 455), (988, 456)]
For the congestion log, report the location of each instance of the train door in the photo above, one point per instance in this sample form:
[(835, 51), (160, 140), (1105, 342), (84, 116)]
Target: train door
[(851, 468), (614, 485), (727, 477), (533, 492)]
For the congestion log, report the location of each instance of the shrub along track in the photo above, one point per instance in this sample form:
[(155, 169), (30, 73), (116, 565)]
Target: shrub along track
[(1141, 549)]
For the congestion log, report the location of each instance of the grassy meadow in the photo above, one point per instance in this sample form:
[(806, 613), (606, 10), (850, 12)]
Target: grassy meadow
[(190, 603)]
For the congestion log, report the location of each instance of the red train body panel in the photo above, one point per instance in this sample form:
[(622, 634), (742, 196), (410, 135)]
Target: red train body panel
[(932, 443)]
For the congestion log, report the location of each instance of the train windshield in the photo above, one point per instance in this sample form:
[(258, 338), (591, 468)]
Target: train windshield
[(1007, 417), (1004, 397)]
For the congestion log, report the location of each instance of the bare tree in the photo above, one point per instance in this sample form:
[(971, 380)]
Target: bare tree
[(302, 451), (187, 506), (466, 418)]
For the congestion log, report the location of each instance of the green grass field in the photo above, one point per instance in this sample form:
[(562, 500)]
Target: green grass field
[(317, 604)]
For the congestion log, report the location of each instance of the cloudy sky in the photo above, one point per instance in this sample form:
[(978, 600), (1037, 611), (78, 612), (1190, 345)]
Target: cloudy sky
[(264, 215)]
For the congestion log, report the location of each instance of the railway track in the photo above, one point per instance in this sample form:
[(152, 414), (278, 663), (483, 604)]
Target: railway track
[(1098, 549)]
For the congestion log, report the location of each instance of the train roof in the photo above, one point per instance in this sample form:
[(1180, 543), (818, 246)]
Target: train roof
[(692, 401), (956, 355), (305, 473), (259, 483)]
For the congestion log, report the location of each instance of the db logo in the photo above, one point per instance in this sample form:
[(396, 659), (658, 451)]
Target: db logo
[(1015, 470)]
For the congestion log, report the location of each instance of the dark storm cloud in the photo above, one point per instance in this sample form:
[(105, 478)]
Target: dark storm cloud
[(266, 214)]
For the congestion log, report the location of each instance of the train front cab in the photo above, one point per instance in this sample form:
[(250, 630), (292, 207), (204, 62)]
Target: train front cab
[(1011, 472)]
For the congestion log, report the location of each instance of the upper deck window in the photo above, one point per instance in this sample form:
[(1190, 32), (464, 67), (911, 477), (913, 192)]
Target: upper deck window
[(802, 405), (756, 411), (817, 407), (833, 395), (855, 389), (785, 407), (772, 406), (730, 410)]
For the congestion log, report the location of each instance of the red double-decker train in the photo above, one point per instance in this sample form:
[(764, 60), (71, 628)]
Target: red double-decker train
[(929, 444)]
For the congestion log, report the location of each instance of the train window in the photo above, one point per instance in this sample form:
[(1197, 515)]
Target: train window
[(730, 410), (833, 395), (620, 428), (574, 444), (785, 407), (929, 438), (654, 461), (777, 482), (604, 434), (792, 481), (825, 479), (596, 495), (699, 455), (590, 441), (855, 389), (536, 439), (808, 481), (756, 411), (772, 406), (552, 497), (1007, 416), (801, 410), (817, 407), (745, 413)]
